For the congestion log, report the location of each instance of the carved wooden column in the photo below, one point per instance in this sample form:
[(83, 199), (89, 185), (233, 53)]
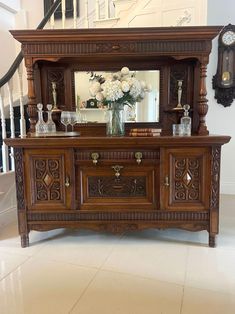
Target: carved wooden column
[(202, 102), (214, 198), (32, 109), (20, 192)]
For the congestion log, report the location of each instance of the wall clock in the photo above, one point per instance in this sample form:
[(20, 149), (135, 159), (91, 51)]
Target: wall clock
[(224, 79)]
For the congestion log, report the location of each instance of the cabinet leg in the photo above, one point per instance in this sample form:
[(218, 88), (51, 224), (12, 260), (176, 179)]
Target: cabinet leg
[(212, 240), (24, 240)]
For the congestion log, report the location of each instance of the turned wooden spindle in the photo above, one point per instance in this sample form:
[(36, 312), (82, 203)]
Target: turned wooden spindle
[(202, 102), (32, 109)]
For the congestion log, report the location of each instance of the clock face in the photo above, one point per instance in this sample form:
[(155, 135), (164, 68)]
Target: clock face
[(228, 38)]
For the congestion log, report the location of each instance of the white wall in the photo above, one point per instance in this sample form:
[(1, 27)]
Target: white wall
[(7, 49), (221, 120)]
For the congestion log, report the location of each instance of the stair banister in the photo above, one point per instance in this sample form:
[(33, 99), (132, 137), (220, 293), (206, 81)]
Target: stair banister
[(5, 80)]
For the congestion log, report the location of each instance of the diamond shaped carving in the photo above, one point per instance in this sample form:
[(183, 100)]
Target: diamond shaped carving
[(187, 178), (47, 180)]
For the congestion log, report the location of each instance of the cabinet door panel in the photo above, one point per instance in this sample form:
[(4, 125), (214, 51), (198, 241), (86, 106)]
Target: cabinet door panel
[(49, 179), (133, 189), (186, 181)]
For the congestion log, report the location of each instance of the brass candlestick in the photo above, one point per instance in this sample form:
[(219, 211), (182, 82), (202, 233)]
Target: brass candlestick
[(54, 95), (179, 106)]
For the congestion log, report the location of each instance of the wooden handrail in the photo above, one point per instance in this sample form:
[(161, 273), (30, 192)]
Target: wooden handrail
[(20, 56)]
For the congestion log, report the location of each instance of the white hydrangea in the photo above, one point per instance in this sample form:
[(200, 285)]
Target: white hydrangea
[(113, 90), (135, 89), (125, 86), (125, 71)]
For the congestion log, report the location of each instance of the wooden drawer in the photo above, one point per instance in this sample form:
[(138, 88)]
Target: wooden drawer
[(118, 180)]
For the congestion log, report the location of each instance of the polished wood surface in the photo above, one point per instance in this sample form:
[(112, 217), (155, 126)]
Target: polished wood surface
[(178, 52), (123, 183), (174, 184)]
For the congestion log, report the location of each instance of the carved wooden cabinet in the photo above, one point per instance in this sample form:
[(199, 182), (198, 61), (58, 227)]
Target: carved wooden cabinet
[(124, 183), (118, 184)]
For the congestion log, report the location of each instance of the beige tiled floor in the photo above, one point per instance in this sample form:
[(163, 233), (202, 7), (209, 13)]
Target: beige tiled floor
[(148, 272)]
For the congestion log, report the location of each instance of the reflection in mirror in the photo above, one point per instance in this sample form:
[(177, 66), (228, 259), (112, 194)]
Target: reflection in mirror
[(145, 111)]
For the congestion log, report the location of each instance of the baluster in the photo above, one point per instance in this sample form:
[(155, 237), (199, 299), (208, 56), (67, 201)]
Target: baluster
[(86, 24), (52, 20), (5, 161), (74, 13), (97, 10), (12, 123), (20, 82), (63, 6), (114, 9), (106, 9)]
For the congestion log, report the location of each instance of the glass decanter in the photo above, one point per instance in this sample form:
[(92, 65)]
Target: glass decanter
[(40, 125), (186, 121), (50, 125)]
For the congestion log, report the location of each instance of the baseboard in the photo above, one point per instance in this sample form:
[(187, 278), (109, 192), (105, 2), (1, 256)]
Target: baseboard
[(227, 188), (8, 216)]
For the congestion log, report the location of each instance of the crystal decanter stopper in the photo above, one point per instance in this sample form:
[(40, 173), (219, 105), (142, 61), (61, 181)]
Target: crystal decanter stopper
[(40, 125), (50, 125)]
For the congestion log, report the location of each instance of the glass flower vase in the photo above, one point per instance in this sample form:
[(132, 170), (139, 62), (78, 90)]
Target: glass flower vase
[(115, 125)]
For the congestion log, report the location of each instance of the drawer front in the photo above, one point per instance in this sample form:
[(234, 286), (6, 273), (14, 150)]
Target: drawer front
[(118, 183)]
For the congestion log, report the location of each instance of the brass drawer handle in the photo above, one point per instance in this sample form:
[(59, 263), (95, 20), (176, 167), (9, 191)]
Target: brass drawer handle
[(117, 169), (67, 182), (95, 157), (138, 157), (167, 181)]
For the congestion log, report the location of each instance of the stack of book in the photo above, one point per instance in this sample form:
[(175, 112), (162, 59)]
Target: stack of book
[(145, 132)]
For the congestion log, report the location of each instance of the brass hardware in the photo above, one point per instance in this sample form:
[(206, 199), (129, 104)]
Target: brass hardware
[(138, 156), (115, 47), (117, 169), (95, 157), (167, 181), (67, 182)]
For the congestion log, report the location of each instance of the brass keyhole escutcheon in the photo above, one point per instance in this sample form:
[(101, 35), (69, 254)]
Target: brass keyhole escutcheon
[(117, 169), (95, 157), (138, 157)]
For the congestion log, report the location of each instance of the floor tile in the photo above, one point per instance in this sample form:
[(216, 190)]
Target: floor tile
[(207, 302), (145, 256), (85, 248), (123, 294), (9, 262), (11, 243), (43, 287), (211, 268)]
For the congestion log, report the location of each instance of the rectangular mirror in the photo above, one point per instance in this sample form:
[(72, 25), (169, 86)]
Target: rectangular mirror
[(95, 112)]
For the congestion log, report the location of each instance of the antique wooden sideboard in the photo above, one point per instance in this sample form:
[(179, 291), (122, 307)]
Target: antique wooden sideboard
[(119, 183)]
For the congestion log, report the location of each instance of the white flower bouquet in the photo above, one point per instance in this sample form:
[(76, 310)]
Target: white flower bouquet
[(114, 91), (121, 88)]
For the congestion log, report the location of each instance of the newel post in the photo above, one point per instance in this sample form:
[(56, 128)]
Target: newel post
[(32, 108), (202, 101)]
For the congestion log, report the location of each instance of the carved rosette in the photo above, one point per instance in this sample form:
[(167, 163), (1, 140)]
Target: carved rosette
[(48, 181), (187, 179)]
